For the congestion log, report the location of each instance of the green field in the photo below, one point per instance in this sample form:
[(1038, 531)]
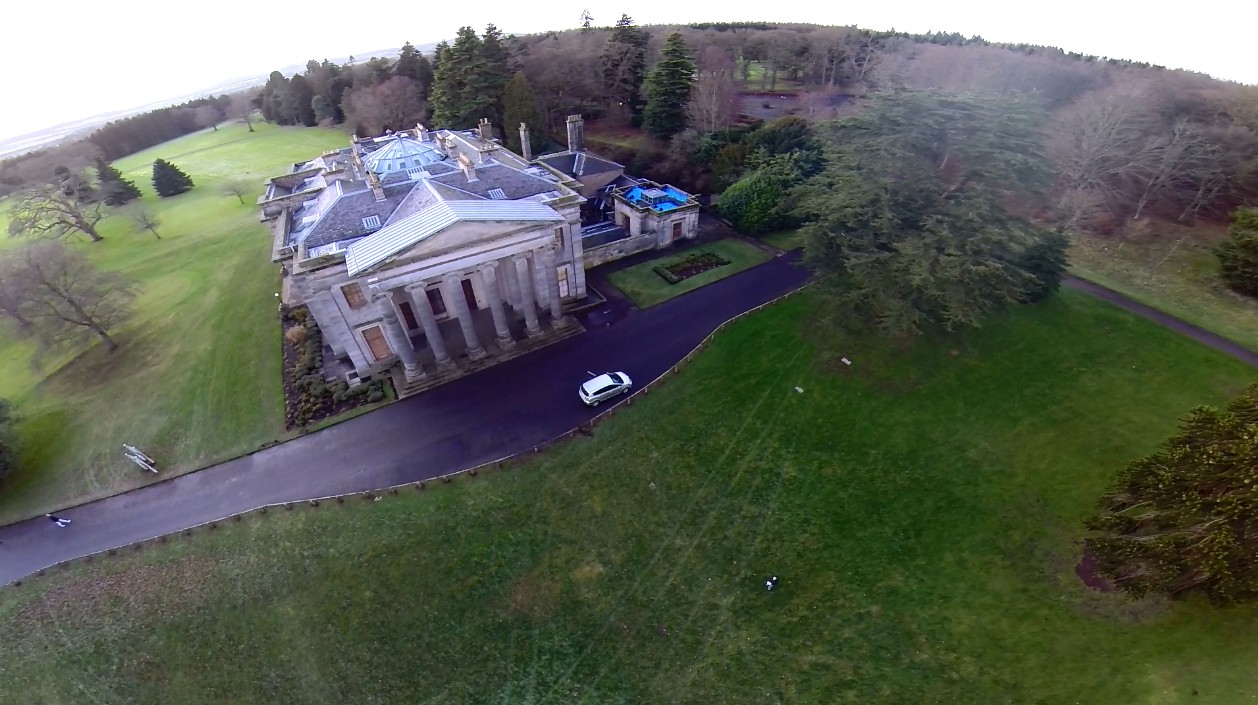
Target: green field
[(646, 288), (921, 508), (1178, 276), (198, 376)]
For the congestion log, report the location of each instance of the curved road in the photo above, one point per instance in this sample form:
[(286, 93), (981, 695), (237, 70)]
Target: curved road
[(494, 413), (497, 412)]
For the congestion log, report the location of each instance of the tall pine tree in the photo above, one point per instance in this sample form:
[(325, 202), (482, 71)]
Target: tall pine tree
[(407, 64), (1185, 519), (458, 98), (114, 190), (520, 106), (623, 65), (668, 90), (168, 180), (495, 71)]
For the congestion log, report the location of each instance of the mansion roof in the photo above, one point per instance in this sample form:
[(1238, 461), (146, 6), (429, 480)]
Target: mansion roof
[(351, 195)]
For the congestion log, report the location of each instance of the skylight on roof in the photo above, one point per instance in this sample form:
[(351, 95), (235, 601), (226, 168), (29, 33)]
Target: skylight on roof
[(371, 221), (497, 194)]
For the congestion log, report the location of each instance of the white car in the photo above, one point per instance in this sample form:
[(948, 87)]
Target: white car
[(605, 387)]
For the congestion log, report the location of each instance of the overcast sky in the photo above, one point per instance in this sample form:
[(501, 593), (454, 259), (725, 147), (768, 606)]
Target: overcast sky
[(92, 56)]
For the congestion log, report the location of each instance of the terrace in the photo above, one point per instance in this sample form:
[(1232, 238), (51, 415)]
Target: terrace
[(650, 196)]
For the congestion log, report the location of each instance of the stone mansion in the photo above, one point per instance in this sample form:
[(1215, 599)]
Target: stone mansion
[(428, 253)]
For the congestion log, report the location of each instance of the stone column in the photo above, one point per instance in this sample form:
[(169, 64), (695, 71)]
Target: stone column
[(398, 340), (526, 295), (489, 275), (547, 257), (454, 294), (427, 319)]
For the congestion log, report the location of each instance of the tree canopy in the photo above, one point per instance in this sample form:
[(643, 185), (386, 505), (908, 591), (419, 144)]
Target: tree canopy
[(463, 83), (1238, 255), (48, 211), (1183, 520), (668, 89), (519, 106), (908, 227), (169, 180), (623, 65), (114, 190)]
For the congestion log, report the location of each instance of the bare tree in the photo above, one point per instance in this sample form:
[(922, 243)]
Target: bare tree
[(47, 211), (237, 188), (145, 219), (65, 297), (1184, 167), (713, 97), (393, 104), (209, 116), (241, 107), (11, 298)]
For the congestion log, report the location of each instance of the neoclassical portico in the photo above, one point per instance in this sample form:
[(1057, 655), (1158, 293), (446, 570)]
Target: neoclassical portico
[(487, 309)]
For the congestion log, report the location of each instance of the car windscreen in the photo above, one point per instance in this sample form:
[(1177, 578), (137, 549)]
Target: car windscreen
[(617, 378)]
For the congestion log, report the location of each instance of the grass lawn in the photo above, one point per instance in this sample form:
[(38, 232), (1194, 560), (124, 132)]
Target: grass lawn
[(788, 240), (1182, 279), (646, 288), (197, 378), (921, 509)]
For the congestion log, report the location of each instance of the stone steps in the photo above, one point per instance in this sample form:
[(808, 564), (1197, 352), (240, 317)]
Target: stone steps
[(465, 366)]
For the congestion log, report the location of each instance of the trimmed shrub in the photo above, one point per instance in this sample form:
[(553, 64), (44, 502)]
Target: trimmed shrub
[(1238, 256)]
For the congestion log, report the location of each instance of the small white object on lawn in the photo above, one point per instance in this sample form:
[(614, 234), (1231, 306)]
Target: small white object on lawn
[(800, 390), (845, 361)]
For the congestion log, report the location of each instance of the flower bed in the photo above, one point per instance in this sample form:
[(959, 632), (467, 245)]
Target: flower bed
[(697, 263), (308, 396)]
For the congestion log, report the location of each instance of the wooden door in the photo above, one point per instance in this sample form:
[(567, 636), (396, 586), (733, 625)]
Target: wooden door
[(374, 337), (677, 230)]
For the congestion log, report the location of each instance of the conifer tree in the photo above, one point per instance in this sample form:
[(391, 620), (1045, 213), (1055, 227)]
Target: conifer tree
[(668, 90), (623, 65), (407, 62), (114, 190), (458, 98), (520, 106), (1238, 255), (168, 180), (1183, 520), (495, 71)]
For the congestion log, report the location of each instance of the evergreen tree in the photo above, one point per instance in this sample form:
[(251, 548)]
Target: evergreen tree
[(276, 96), (438, 53), (519, 106), (909, 229), (1183, 519), (324, 112), (168, 180), (424, 79), (495, 72), (623, 65), (408, 62), (1238, 255), (301, 95), (458, 96), (668, 89), (114, 190)]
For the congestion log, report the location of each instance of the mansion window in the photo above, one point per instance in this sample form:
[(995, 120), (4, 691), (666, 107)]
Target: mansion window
[(438, 304), (379, 347), (354, 295), (559, 238)]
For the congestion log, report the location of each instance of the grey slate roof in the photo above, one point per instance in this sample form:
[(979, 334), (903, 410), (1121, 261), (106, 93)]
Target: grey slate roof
[(404, 233), (344, 220), (514, 183)]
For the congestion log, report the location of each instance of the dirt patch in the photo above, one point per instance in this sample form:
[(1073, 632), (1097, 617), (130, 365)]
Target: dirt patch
[(1086, 570), (164, 591)]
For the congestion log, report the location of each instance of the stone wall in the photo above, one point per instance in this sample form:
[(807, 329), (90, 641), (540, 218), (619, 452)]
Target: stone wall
[(613, 251)]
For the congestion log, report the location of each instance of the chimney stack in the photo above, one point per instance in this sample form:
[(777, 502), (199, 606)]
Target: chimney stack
[(526, 149), (421, 132), (376, 188), (576, 128), (469, 168), (486, 130)]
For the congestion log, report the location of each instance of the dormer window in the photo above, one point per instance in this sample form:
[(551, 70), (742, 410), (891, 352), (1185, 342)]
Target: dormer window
[(371, 222)]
